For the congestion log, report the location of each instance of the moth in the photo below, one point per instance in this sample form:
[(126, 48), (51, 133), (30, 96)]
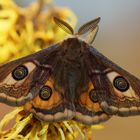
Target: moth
[(70, 80)]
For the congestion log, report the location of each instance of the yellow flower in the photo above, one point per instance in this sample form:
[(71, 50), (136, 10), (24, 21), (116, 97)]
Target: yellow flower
[(28, 31), (28, 128)]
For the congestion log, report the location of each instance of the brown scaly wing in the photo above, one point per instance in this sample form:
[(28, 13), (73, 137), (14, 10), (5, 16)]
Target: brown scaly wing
[(118, 92), (88, 108), (22, 79), (52, 107)]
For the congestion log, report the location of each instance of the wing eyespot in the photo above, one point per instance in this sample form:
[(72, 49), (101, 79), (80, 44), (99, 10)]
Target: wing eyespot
[(121, 84), (93, 96), (20, 72), (45, 93)]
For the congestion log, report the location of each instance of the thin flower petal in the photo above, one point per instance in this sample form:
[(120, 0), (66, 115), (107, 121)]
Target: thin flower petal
[(8, 117)]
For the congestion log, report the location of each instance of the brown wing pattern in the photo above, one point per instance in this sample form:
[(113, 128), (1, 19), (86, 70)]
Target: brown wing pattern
[(22, 79), (118, 91), (70, 81), (52, 107), (88, 109)]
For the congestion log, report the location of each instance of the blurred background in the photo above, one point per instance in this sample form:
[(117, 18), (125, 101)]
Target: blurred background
[(119, 40)]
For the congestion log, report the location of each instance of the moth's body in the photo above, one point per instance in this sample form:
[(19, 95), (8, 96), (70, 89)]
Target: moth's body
[(70, 80)]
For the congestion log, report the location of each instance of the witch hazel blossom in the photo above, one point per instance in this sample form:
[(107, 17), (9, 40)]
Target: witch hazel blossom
[(27, 127)]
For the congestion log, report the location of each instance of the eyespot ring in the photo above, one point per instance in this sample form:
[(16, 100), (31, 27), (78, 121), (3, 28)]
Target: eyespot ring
[(93, 96), (45, 93), (121, 84), (20, 72)]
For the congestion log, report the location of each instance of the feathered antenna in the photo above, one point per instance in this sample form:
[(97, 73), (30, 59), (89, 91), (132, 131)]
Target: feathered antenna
[(64, 25)]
